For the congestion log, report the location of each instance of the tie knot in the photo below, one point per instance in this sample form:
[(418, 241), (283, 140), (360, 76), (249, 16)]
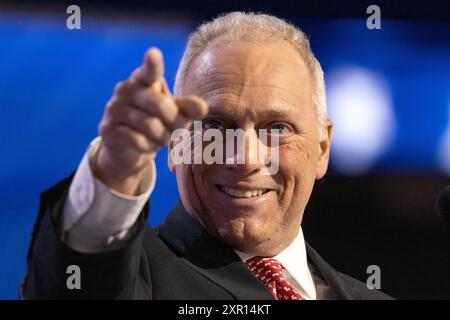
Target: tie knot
[(269, 271), (265, 269)]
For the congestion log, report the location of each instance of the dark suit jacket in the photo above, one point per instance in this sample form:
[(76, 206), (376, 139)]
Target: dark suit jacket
[(177, 260)]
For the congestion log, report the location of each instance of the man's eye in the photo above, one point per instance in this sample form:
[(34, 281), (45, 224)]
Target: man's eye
[(280, 127), (212, 124)]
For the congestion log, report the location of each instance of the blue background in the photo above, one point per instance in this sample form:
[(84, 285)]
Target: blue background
[(54, 84)]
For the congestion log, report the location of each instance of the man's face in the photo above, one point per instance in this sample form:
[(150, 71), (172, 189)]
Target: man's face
[(255, 86)]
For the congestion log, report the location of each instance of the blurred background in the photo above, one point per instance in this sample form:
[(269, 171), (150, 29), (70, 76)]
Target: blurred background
[(388, 93)]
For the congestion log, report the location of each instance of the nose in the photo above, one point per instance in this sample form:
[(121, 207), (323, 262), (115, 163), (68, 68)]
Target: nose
[(248, 156)]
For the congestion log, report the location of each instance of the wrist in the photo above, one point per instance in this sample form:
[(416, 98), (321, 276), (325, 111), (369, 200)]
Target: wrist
[(126, 182)]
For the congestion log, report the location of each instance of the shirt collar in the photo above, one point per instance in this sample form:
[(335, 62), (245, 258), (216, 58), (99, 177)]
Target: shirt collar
[(294, 259)]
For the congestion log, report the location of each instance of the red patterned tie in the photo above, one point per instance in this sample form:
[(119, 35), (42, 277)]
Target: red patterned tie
[(270, 272)]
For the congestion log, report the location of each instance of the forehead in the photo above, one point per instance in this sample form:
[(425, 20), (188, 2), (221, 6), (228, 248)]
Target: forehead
[(269, 73)]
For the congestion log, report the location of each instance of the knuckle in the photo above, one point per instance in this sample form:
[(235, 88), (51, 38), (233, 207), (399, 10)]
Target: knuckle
[(158, 132), (101, 129), (111, 104), (121, 88), (135, 74), (166, 101), (163, 106), (114, 112), (139, 142), (105, 128), (125, 136), (161, 140)]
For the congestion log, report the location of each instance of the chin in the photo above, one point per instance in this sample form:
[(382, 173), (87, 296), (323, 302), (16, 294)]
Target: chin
[(240, 235)]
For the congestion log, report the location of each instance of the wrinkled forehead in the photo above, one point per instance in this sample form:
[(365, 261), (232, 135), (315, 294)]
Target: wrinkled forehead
[(251, 73), (256, 58), (266, 67)]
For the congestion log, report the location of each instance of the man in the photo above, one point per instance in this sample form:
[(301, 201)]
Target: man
[(236, 234)]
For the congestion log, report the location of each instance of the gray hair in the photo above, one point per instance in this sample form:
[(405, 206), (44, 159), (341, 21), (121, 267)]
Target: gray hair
[(249, 26)]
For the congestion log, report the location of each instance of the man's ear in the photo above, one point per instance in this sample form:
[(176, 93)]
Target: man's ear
[(324, 150), (170, 163)]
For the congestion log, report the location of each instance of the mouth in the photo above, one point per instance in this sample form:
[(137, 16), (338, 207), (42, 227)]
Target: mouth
[(238, 193)]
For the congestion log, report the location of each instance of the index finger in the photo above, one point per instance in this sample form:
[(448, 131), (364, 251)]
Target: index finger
[(152, 69)]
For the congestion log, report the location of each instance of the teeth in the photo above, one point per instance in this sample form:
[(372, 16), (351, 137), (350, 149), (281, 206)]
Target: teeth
[(243, 193)]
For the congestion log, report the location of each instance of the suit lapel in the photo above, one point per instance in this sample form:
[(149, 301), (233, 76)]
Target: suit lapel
[(343, 290), (209, 256)]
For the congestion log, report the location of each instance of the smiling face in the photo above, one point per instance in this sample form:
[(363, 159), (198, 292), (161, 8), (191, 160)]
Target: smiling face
[(255, 86)]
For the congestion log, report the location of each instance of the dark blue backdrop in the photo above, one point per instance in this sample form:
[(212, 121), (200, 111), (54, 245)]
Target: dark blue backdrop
[(54, 84)]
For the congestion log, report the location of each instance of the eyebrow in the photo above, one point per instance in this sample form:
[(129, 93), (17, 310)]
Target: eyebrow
[(221, 113), (270, 113)]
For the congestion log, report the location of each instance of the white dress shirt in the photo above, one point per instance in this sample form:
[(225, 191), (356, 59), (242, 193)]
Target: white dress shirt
[(296, 271), (98, 219)]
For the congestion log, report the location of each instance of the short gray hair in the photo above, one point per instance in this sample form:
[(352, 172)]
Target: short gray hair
[(249, 26)]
